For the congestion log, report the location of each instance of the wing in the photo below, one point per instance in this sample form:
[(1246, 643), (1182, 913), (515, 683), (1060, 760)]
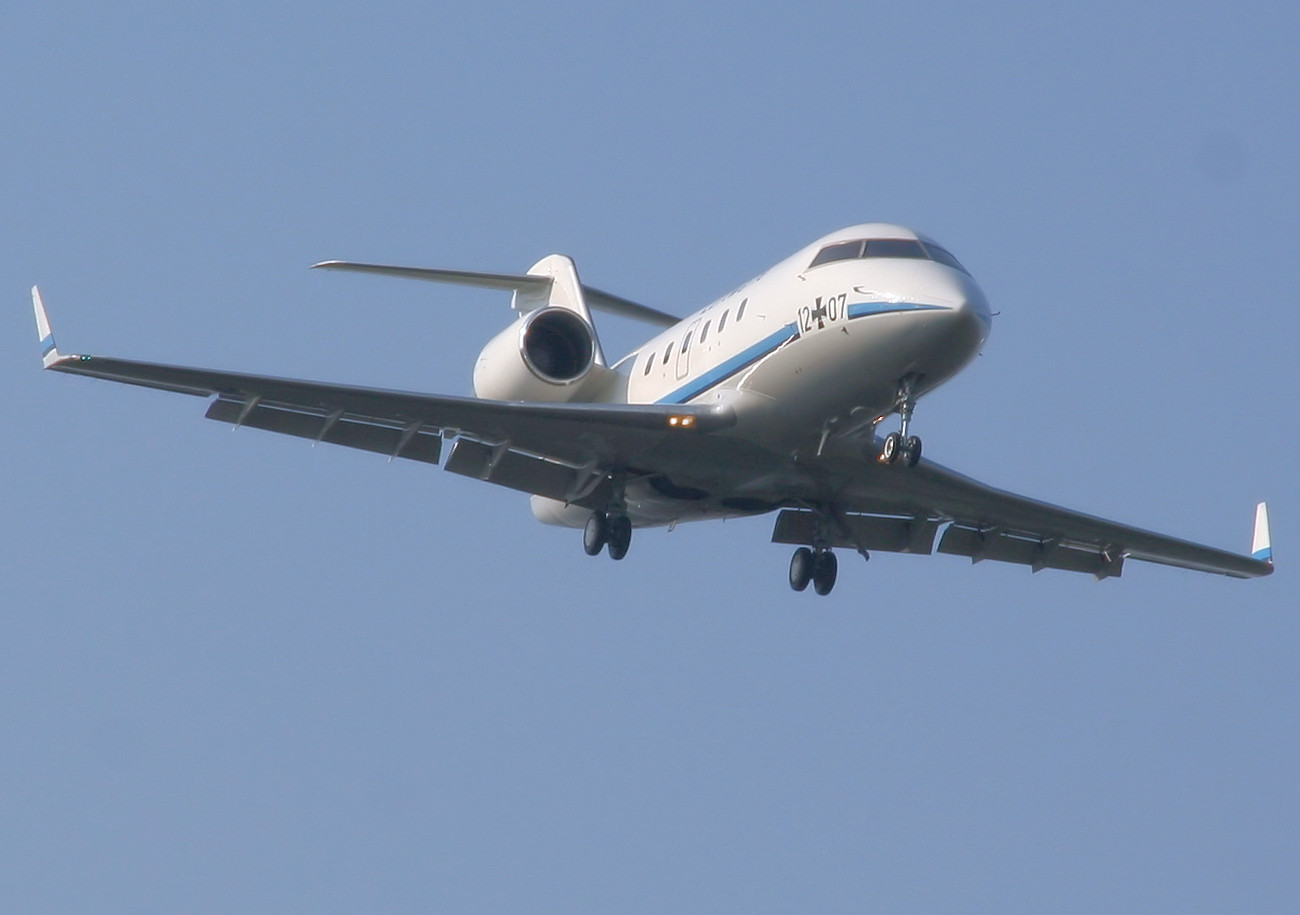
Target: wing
[(563, 451), (526, 284), (906, 509), (567, 451)]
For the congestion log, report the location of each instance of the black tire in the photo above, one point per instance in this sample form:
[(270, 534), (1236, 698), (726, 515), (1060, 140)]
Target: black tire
[(912, 451), (620, 536), (595, 534), (801, 568), (825, 568), (889, 451)]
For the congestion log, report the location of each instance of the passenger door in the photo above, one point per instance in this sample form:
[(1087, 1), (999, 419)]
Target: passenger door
[(684, 353)]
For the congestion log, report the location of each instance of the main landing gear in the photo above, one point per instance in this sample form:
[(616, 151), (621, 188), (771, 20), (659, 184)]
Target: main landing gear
[(900, 445), (816, 566), (607, 529)]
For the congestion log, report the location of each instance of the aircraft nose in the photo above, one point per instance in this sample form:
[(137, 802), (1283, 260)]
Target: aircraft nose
[(975, 307), (967, 305), (967, 321)]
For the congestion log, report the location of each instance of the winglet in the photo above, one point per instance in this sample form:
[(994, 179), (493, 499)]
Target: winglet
[(49, 352), (1261, 546)]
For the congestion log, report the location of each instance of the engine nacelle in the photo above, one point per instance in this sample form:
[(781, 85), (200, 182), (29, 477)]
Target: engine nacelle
[(548, 355), (559, 514)]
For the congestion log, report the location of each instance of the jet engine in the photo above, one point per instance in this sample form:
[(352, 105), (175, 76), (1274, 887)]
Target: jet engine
[(548, 355)]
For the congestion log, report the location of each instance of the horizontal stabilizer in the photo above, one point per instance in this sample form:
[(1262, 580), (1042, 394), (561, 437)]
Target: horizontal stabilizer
[(503, 281), (528, 286)]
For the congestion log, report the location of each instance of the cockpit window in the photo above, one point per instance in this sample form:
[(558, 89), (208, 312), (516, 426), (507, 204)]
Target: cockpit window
[(943, 256), (843, 251), (894, 247), (885, 247)]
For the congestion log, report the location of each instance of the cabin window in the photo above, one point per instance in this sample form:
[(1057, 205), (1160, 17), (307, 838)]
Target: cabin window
[(686, 344), (648, 363), (740, 312), (705, 332), (668, 353), (723, 323)]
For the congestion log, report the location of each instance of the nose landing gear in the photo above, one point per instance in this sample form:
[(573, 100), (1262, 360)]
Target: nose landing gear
[(898, 448), (900, 445)]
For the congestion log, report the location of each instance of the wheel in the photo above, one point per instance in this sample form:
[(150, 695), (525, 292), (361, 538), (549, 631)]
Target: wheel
[(595, 534), (912, 451), (620, 536), (801, 568), (825, 567), (889, 451)]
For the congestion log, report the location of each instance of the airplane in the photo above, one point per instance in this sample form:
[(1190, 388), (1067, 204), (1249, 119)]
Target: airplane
[(769, 399)]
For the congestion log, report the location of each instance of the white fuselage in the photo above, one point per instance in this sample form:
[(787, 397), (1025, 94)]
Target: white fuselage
[(802, 353), (801, 346)]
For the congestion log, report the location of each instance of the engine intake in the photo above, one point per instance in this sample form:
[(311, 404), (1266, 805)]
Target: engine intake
[(557, 345), (547, 355)]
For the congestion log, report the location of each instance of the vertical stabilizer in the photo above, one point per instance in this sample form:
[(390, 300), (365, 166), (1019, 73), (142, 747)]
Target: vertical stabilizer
[(1261, 546)]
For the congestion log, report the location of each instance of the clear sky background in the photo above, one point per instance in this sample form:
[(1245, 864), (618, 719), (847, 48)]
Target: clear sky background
[(241, 674)]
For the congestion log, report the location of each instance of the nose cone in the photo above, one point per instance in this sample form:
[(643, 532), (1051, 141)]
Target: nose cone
[(974, 309), (969, 324), (953, 324), (967, 317)]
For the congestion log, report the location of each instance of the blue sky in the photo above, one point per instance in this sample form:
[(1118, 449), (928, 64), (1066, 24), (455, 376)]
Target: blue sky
[(240, 673)]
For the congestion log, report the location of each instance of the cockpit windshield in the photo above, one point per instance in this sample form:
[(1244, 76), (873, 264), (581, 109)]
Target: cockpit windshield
[(885, 247)]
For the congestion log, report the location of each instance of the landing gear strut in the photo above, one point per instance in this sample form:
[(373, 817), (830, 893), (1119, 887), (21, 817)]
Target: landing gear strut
[(607, 529), (899, 444), (817, 567)]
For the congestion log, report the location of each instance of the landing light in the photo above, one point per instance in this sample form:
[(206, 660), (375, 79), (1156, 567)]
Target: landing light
[(681, 422)]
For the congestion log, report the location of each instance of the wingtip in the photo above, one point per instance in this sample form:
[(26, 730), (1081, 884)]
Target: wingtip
[(49, 352), (1261, 545)]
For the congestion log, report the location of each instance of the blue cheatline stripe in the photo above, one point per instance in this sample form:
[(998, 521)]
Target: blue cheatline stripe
[(744, 360), (733, 365), (864, 309), (1265, 555), (47, 345)]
